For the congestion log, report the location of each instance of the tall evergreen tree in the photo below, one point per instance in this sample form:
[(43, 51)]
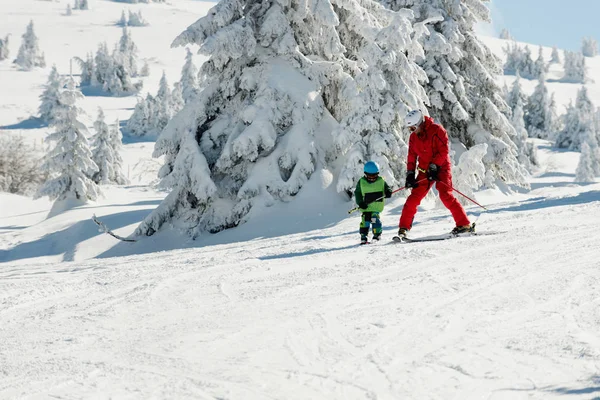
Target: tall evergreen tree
[(554, 57), (539, 120), (4, 50), (69, 163), (575, 69), (189, 81), (516, 94), (527, 151), (126, 53), (105, 152), (50, 97), (270, 84), (585, 167), (579, 122), (462, 90), (30, 55), (589, 47)]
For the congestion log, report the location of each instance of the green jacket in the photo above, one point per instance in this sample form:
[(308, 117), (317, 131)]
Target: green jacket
[(367, 192)]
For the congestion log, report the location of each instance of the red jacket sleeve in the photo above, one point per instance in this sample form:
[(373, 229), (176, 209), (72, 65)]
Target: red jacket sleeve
[(411, 160), (440, 146)]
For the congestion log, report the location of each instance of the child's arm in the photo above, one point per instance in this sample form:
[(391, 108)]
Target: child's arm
[(387, 191), (358, 197)]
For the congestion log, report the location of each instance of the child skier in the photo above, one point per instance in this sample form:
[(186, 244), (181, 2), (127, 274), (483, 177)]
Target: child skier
[(369, 194)]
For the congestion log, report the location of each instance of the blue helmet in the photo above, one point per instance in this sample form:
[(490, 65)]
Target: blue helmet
[(371, 168)]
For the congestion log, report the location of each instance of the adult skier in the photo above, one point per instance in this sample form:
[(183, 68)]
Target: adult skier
[(369, 194), (428, 153)]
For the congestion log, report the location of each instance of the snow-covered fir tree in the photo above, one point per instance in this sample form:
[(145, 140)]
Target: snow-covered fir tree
[(145, 71), (589, 47), (539, 114), (4, 50), (526, 150), (579, 122), (106, 147), (269, 85), (554, 57), (469, 172), (123, 20), (69, 164), (505, 34), (140, 122), (163, 104), (539, 66), (126, 53), (136, 19), (585, 168), (177, 101), (69, 10), (30, 55), (516, 94), (88, 70), (575, 69), (81, 5), (189, 81), (462, 90), (51, 106)]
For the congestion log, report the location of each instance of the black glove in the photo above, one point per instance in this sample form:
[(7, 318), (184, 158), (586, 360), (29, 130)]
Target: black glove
[(411, 181), (363, 205), (432, 172), (388, 193)]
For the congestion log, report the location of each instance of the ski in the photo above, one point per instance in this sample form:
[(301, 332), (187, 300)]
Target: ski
[(104, 228), (446, 236)]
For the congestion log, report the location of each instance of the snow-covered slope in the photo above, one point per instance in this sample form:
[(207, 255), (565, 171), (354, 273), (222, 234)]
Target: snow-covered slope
[(287, 306)]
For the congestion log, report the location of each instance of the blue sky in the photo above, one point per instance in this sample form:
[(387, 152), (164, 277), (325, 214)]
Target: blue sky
[(547, 22)]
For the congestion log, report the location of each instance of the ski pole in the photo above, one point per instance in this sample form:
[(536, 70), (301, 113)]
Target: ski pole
[(382, 197), (464, 195)]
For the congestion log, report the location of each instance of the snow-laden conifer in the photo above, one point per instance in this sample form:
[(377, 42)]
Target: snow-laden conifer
[(579, 122), (177, 101), (585, 168), (88, 70), (123, 20), (69, 163), (275, 72), (516, 94), (4, 50), (464, 95), (470, 172), (539, 115), (145, 71), (50, 98), (136, 19), (575, 69), (29, 55), (126, 53), (589, 47), (505, 34), (105, 152), (554, 57), (189, 80), (527, 151), (143, 119)]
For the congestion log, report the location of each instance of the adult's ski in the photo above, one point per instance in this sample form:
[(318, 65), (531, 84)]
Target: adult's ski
[(445, 236), (104, 228)]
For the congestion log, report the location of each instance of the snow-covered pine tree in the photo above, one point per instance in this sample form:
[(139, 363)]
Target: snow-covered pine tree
[(141, 121), (539, 119), (249, 139), (83, 5), (105, 152), (464, 95), (117, 79), (4, 50), (575, 69), (116, 138), (51, 106), (29, 53), (163, 109), (589, 47), (469, 173), (136, 19), (526, 150), (189, 81), (177, 101), (516, 94), (519, 60), (88, 70), (69, 10), (585, 169), (539, 66), (126, 53), (123, 20), (579, 122), (69, 163), (505, 34), (103, 62), (554, 57), (145, 69)]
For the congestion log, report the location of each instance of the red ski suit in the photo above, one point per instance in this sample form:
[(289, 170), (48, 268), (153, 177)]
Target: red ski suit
[(431, 146)]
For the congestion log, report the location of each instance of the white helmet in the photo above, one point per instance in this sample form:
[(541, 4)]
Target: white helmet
[(413, 118)]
